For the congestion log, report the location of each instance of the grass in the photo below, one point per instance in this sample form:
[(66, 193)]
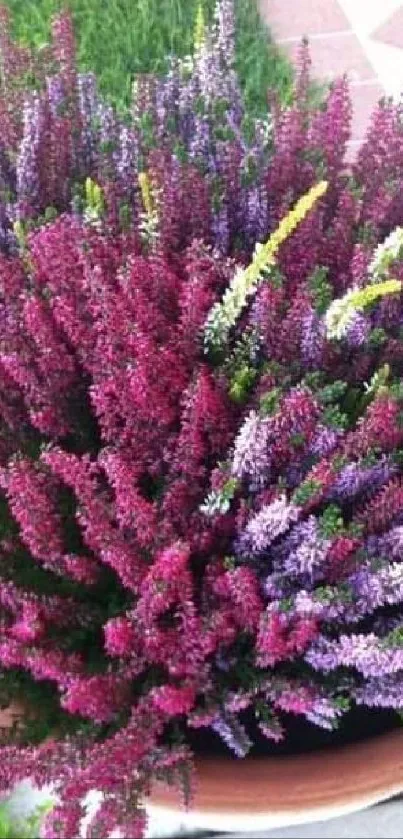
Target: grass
[(119, 38), (25, 828)]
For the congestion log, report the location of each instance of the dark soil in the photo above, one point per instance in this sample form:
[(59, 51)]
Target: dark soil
[(302, 737)]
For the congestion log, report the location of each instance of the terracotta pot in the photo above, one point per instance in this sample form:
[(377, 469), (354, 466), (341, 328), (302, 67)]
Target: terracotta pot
[(263, 793)]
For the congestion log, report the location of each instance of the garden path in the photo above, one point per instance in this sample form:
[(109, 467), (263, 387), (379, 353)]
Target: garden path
[(363, 38)]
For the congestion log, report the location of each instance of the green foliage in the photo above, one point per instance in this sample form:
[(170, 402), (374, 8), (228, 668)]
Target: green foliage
[(343, 704), (332, 393), (239, 368), (20, 234), (118, 39), (397, 457), (219, 501), (370, 459), (306, 492), (297, 440), (314, 380), (94, 201), (334, 417), (394, 639), (269, 402), (242, 383), (379, 380), (321, 290), (331, 522), (329, 594), (229, 563), (26, 828), (377, 337)]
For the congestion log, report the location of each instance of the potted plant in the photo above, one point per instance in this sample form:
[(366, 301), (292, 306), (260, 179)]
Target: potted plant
[(201, 447)]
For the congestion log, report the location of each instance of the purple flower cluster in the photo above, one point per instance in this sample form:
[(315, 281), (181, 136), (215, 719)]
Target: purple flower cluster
[(195, 113)]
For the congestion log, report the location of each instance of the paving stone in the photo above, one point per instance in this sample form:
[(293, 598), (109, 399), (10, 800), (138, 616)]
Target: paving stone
[(391, 31), (383, 822), (294, 18), (334, 55), (335, 47), (364, 99)]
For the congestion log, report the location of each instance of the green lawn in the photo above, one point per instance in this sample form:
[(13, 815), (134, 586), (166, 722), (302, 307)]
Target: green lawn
[(118, 38)]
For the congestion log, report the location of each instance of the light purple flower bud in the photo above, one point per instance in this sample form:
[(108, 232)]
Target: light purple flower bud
[(108, 134), (56, 94), (312, 339), (167, 98), (324, 441), (277, 586), (208, 73), (233, 733), (251, 454), (325, 713), (200, 144), (381, 692), (272, 520), (272, 729), (256, 213), (358, 331), (375, 587), (220, 227), (365, 653), (302, 554), (28, 182), (88, 105), (127, 159), (225, 34), (306, 557), (306, 605), (355, 479), (388, 544)]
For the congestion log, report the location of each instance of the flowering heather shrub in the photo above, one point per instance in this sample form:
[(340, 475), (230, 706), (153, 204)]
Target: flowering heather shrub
[(206, 157), (188, 535), (200, 522), (213, 171)]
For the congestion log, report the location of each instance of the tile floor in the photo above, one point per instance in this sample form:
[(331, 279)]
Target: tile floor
[(361, 37), (384, 822)]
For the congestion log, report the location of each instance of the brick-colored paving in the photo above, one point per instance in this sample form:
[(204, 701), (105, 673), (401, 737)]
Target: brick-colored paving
[(293, 18), (343, 39), (333, 55), (391, 31)]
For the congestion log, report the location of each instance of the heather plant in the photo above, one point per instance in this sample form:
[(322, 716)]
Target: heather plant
[(142, 35), (189, 130), (213, 171), (180, 549), (201, 458)]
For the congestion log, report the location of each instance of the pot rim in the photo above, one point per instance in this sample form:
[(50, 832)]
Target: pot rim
[(264, 793)]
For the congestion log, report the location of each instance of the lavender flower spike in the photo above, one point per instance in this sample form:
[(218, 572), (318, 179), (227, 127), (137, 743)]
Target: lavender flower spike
[(313, 335), (233, 733), (366, 653), (307, 550), (358, 331), (381, 692), (271, 521), (251, 454), (27, 163), (355, 479)]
